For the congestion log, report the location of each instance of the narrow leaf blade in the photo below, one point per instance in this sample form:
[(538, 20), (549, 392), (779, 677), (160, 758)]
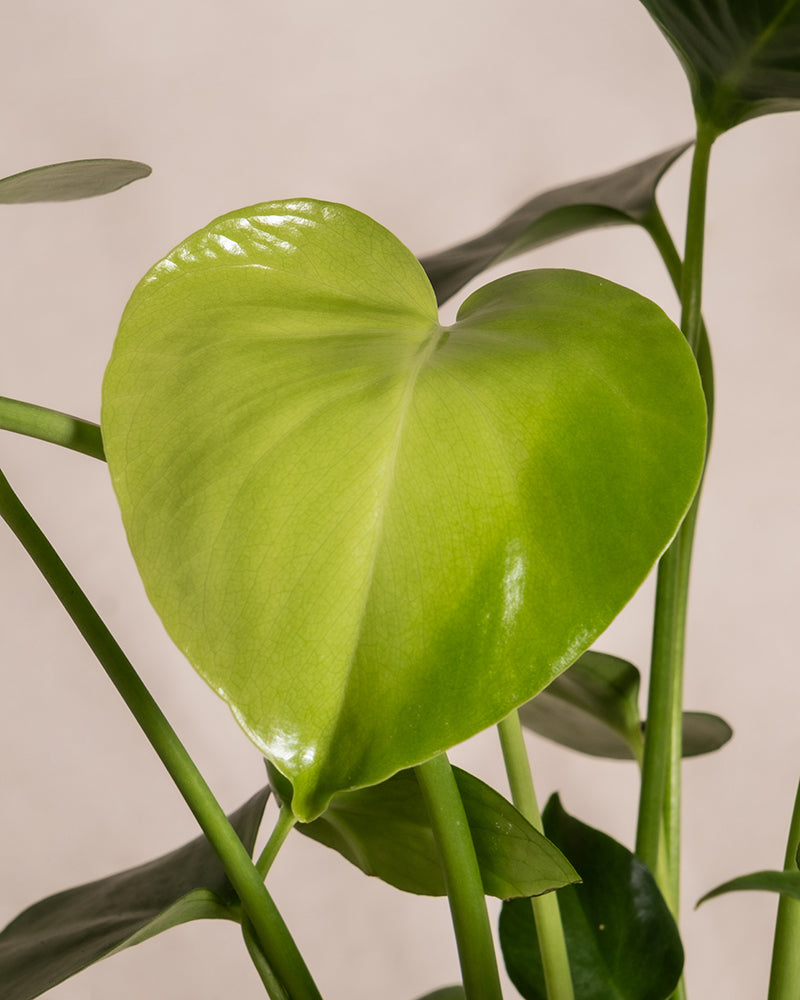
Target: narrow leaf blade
[(621, 939), (625, 196), (787, 883), (70, 181), (64, 934)]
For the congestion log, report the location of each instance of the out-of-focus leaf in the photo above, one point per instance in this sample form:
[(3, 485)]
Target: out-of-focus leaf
[(593, 708), (63, 934), (384, 830), (621, 939), (372, 535), (787, 883), (626, 196), (446, 993), (70, 181), (742, 57)]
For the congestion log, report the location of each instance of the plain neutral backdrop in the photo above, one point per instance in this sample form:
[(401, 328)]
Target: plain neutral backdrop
[(436, 118)]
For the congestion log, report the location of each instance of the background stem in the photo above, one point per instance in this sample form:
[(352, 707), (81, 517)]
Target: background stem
[(462, 878), (546, 912), (270, 930), (784, 980)]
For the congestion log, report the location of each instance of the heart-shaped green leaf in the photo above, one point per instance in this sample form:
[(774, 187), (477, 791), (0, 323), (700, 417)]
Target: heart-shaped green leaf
[(787, 883), (70, 181), (593, 707), (621, 938), (385, 831), (63, 934), (623, 197), (742, 57), (372, 535)]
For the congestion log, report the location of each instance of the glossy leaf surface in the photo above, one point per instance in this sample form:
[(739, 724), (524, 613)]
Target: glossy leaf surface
[(384, 830), (372, 535), (787, 883), (63, 934), (742, 57), (623, 197), (621, 939), (70, 181), (593, 707)]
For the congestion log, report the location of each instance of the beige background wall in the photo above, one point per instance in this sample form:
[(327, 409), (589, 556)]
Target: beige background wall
[(435, 117)]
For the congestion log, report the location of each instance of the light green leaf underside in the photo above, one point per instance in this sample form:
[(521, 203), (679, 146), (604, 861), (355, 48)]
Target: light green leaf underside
[(70, 181), (385, 831), (742, 57), (373, 536)]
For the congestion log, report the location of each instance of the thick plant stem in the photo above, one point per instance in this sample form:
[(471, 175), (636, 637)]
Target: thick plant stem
[(271, 932), (660, 795), (546, 912), (784, 980), (462, 878), (51, 425), (274, 989)]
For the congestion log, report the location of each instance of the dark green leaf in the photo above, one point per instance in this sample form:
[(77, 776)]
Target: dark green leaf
[(786, 883), (375, 536), (623, 197), (70, 181), (593, 708), (384, 830), (742, 57), (621, 939), (446, 993), (63, 934)]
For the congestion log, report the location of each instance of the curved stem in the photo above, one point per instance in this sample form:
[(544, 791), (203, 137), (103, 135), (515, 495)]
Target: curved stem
[(784, 980), (462, 878), (546, 912), (273, 935), (51, 425), (283, 827)]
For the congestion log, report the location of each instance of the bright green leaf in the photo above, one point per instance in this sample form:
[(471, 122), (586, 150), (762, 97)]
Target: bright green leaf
[(621, 939), (70, 181), (593, 707), (372, 535), (64, 934), (384, 830), (742, 57), (623, 197), (787, 883)]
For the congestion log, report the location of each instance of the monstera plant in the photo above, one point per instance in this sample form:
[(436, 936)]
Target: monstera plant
[(375, 536)]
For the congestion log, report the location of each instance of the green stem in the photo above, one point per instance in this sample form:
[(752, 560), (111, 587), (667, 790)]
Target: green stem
[(273, 987), (546, 912), (51, 425), (462, 878), (272, 934), (283, 827), (661, 794), (784, 981)]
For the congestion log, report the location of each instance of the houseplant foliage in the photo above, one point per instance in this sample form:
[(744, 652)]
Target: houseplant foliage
[(375, 536)]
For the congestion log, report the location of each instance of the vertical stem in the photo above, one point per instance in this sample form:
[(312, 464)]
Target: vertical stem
[(462, 878), (660, 793), (546, 912), (283, 827), (784, 981), (270, 930)]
